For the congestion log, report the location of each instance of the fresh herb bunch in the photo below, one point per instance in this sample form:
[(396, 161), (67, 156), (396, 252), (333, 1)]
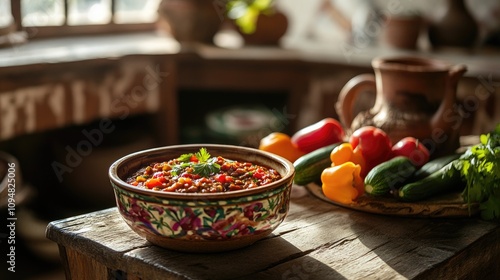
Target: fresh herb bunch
[(480, 168), (201, 162)]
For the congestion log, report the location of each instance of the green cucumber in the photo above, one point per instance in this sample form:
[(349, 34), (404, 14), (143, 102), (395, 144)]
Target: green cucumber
[(388, 176), (445, 179), (308, 168), (433, 166)]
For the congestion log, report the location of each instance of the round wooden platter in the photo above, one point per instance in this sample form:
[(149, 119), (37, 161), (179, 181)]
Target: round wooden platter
[(446, 205)]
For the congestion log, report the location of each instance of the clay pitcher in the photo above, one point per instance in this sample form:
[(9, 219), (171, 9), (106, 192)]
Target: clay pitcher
[(414, 97)]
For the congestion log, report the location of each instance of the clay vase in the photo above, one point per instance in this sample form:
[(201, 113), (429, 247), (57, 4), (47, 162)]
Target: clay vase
[(414, 97), (457, 28), (402, 32), (269, 29), (190, 20)]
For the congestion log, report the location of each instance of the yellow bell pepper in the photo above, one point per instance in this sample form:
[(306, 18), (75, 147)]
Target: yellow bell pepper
[(280, 144), (342, 183), (345, 153)]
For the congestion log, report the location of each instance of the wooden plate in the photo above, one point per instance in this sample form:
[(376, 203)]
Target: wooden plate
[(447, 205)]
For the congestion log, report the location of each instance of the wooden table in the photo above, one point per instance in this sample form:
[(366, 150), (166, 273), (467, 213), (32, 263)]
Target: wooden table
[(318, 240)]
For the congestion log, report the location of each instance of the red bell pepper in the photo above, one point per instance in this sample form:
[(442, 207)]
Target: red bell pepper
[(323, 133)]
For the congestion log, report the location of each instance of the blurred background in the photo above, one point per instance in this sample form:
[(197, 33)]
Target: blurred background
[(84, 82)]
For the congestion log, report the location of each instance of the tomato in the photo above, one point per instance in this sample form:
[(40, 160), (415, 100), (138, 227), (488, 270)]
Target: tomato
[(258, 174), (411, 148), (221, 178), (153, 182), (320, 134), (193, 159), (376, 146)]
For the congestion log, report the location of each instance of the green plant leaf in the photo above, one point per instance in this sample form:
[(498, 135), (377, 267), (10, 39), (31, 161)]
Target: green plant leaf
[(480, 167), (490, 209)]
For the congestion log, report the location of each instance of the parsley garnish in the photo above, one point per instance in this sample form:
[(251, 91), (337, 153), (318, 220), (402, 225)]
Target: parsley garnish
[(201, 162), (480, 168)]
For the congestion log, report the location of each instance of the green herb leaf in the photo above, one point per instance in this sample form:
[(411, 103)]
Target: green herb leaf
[(202, 155), (176, 169), (490, 209), (480, 167), (204, 167), (185, 157)]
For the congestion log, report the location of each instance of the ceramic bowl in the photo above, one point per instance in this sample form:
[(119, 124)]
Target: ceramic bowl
[(195, 222)]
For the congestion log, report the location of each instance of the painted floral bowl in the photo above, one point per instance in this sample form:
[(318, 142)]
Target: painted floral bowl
[(199, 222)]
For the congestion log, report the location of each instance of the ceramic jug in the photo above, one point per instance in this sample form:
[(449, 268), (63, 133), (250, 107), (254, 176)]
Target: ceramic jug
[(415, 96)]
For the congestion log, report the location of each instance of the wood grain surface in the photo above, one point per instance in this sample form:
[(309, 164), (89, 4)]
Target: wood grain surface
[(318, 240)]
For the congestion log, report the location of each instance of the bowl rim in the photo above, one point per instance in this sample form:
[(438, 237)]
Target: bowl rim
[(286, 178)]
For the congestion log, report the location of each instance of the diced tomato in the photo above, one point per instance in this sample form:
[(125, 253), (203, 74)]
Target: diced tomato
[(221, 178), (193, 159), (153, 182), (258, 174)]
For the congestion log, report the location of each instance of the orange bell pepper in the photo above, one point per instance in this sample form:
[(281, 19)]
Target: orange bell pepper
[(342, 183), (280, 144), (345, 153)]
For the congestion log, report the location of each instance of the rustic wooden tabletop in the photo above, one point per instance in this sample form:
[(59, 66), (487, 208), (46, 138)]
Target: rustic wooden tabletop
[(318, 240)]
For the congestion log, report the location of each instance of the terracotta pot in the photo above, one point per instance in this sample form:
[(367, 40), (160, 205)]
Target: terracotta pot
[(414, 97), (269, 29), (190, 20), (457, 28), (402, 32)]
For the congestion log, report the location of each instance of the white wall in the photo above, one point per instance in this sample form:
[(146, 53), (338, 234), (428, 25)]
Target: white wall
[(307, 21)]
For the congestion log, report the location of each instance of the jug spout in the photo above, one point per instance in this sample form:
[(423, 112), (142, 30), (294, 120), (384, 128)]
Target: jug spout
[(456, 72)]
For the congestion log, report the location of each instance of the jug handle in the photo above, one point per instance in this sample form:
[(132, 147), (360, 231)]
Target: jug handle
[(454, 75), (345, 102)]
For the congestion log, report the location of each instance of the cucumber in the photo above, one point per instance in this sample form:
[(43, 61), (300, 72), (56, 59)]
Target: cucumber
[(445, 179), (433, 166), (388, 176), (308, 168)]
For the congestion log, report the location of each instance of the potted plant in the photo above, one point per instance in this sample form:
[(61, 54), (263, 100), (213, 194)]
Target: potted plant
[(258, 21)]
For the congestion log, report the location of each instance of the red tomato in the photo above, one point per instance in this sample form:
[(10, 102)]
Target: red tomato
[(193, 159), (376, 146), (411, 148), (259, 174), (323, 133), (153, 182), (221, 178)]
